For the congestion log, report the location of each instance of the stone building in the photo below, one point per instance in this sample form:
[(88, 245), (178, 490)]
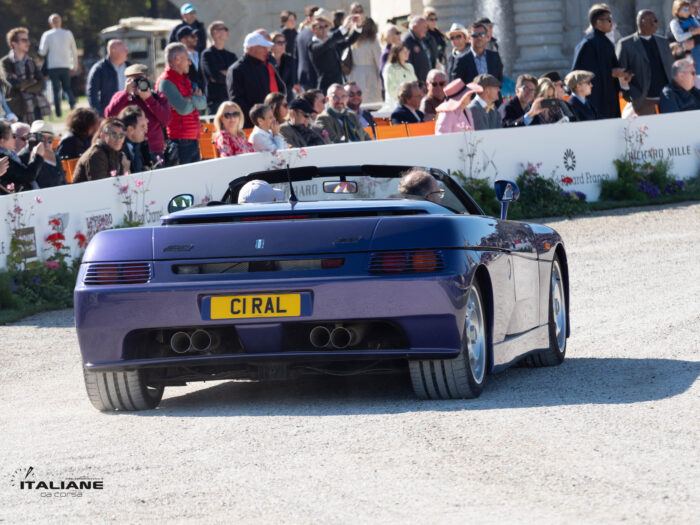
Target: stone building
[(535, 35)]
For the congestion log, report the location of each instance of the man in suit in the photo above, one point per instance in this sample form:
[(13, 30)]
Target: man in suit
[(422, 47), (355, 104), (407, 111), (521, 110), (305, 70), (325, 49), (649, 58), (340, 124), (477, 60), (580, 85), (595, 53), (483, 107)]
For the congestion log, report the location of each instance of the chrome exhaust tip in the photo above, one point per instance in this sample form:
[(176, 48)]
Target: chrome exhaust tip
[(340, 337), (180, 342), (319, 336), (201, 340)]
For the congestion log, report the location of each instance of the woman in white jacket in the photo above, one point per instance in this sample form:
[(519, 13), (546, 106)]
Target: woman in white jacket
[(397, 71), (366, 53)]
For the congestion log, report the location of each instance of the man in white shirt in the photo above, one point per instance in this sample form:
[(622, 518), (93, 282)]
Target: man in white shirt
[(58, 46)]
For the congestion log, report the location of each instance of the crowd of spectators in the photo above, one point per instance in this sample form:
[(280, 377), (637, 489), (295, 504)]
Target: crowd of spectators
[(305, 84)]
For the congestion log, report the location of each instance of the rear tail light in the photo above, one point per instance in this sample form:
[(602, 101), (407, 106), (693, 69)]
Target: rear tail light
[(407, 262), (328, 264), (118, 273)]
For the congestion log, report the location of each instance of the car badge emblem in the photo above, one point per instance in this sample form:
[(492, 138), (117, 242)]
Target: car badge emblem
[(259, 244)]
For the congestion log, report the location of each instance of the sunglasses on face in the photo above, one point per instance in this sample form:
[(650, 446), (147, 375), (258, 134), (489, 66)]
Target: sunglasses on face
[(234, 114), (304, 114), (441, 84), (357, 93), (280, 42), (222, 28), (478, 35), (325, 26), (116, 134), (456, 37), (22, 137), (432, 19)]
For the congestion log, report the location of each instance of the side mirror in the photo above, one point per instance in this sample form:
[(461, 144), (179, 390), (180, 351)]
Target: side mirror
[(506, 192), (180, 202), (340, 187)]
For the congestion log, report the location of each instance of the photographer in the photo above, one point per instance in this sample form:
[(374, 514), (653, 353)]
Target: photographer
[(51, 172), (20, 174), (139, 92)]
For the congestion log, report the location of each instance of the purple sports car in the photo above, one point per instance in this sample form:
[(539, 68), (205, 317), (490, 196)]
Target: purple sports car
[(348, 276)]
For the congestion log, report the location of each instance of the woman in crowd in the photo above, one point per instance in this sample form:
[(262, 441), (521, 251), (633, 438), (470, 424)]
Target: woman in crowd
[(365, 59), (453, 114), (547, 90), (266, 133), (229, 138), (286, 65), (397, 71), (684, 26), (280, 108), (390, 36), (438, 36), (82, 124)]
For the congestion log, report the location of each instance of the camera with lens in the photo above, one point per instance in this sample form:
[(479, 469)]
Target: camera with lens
[(143, 84)]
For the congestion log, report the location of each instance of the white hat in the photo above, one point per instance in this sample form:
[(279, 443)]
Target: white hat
[(255, 39), (41, 126), (259, 191), (457, 28)]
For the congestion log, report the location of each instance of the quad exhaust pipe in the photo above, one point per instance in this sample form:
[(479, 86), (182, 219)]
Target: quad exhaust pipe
[(183, 342), (339, 337)]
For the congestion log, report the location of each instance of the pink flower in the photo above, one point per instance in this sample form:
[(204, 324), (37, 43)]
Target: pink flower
[(324, 132), (11, 186), (52, 265), (138, 183), (634, 116), (39, 200), (303, 152), (123, 189), (17, 210), (113, 173)]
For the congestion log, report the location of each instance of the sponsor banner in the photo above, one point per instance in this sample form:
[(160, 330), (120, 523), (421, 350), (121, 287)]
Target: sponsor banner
[(577, 155)]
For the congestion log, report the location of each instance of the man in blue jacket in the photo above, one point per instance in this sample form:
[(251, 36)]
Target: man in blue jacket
[(107, 76)]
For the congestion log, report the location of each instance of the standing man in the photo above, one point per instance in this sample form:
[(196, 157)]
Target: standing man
[(483, 107), (183, 129), (407, 111), (340, 124), (58, 46), (188, 13), (249, 80), (648, 57), (436, 81), (596, 53), (107, 76), (188, 38), (155, 107), (305, 70), (477, 60), (325, 49), (423, 49), (215, 62), (288, 24), (25, 82)]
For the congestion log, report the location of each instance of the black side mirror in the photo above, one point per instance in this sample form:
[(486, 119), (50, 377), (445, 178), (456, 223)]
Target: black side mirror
[(180, 202), (507, 191)]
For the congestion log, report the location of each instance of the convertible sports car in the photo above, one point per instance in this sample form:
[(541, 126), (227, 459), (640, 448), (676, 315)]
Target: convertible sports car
[(347, 277)]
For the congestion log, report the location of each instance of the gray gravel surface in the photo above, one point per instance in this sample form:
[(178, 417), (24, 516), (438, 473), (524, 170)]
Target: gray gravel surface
[(609, 436)]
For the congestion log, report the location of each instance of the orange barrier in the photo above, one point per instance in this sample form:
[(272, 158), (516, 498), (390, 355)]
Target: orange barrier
[(247, 132), (69, 168), (206, 142), (382, 121), (623, 103), (54, 145), (391, 132), (420, 129)]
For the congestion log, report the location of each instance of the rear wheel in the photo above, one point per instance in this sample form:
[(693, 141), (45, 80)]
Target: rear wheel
[(464, 376), (556, 352), (121, 390)]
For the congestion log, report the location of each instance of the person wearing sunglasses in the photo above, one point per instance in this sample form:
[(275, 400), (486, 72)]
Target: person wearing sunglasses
[(104, 158), (438, 36), (285, 63), (297, 131), (20, 173), (215, 62), (436, 81), (229, 138), (684, 26), (469, 62), (326, 47)]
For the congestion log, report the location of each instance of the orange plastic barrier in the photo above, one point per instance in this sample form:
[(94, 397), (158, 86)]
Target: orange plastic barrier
[(382, 121), (54, 145), (421, 129), (206, 142), (247, 132), (391, 132), (623, 103), (69, 168)]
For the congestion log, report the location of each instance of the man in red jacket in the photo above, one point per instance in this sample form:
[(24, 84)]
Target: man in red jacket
[(139, 92), (183, 129)]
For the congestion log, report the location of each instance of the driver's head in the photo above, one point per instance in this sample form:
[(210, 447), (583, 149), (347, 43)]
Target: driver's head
[(259, 191), (418, 182)]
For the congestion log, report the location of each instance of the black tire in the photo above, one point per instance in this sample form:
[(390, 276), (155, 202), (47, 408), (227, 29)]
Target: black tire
[(128, 391), (555, 354), (461, 377)]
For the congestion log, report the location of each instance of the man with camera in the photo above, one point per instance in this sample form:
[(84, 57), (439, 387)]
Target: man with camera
[(521, 110), (19, 174), (50, 173), (154, 104)]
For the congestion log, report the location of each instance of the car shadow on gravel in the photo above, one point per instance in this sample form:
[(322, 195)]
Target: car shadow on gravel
[(577, 381)]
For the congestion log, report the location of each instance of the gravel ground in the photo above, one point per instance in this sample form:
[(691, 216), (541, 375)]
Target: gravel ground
[(609, 436)]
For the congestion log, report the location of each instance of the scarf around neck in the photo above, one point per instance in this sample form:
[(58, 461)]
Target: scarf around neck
[(351, 134)]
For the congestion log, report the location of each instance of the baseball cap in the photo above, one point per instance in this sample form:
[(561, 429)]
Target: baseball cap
[(259, 191), (186, 9), (183, 32), (255, 39), (301, 105)]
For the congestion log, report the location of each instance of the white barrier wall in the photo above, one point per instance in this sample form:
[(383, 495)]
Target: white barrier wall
[(580, 154)]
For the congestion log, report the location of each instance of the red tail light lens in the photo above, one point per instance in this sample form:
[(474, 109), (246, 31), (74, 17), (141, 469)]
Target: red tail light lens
[(425, 261), (328, 264), (407, 262)]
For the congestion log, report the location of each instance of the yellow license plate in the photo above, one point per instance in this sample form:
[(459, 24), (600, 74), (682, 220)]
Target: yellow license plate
[(252, 306)]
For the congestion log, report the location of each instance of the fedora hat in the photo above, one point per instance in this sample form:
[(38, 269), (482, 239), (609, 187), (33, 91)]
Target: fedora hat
[(323, 14), (456, 91), (457, 28)]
